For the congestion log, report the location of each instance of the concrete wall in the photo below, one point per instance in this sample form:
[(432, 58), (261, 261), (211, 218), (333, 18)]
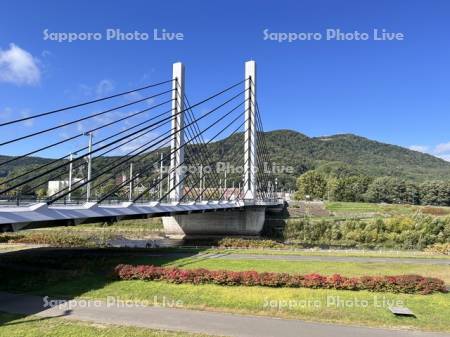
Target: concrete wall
[(221, 223)]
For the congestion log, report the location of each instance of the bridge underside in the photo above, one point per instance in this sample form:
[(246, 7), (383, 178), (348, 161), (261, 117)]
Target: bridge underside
[(41, 215), (247, 221)]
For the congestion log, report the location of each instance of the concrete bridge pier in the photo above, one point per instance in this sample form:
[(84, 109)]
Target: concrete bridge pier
[(247, 222)]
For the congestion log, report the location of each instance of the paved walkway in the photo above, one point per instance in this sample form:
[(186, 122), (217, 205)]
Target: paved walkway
[(213, 323), (362, 259)]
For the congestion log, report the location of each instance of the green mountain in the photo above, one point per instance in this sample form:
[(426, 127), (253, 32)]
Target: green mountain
[(370, 157), (302, 153), (346, 152), (20, 164)]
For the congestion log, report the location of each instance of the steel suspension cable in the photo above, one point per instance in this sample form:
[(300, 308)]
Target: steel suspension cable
[(235, 131), (205, 115), (200, 145), (86, 147), (101, 154), (223, 129), (270, 175), (58, 143), (83, 104), (210, 126), (81, 119), (98, 149)]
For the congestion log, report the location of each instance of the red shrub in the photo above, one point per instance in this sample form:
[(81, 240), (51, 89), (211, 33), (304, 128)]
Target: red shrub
[(250, 278), (409, 284)]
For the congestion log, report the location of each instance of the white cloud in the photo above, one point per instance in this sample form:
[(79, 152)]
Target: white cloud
[(8, 113), (64, 135), (80, 127), (5, 113), (104, 119), (140, 142), (104, 87), (419, 148), (134, 96), (446, 157), (18, 66), (85, 90), (101, 89), (25, 114), (442, 148), (46, 53)]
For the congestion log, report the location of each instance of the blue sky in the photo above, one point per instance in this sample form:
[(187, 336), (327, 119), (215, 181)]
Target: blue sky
[(392, 91)]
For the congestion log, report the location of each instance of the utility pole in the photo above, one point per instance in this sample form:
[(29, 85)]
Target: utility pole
[(233, 189), (202, 182), (69, 197), (89, 173), (239, 189), (130, 197), (276, 187), (161, 176)]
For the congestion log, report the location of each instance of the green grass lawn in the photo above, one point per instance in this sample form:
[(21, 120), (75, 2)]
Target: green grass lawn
[(139, 225), (353, 207), (92, 279), (338, 252), (154, 224), (363, 209), (308, 267), (88, 235), (11, 247), (12, 325)]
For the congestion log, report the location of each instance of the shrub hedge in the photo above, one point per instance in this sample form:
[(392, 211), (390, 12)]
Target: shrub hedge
[(409, 284), (439, 248), (401, 232), (53, 238), (248, 243)]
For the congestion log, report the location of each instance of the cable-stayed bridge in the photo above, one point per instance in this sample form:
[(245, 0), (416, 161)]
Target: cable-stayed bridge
[(142, 153)]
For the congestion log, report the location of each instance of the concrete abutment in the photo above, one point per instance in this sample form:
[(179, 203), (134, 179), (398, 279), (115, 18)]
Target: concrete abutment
[(246, 222)]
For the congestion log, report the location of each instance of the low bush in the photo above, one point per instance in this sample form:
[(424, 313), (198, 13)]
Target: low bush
[(9, 237), (400, 232), (436, 211), (409, 284), (439, 248), (248, 243), (55, 239)]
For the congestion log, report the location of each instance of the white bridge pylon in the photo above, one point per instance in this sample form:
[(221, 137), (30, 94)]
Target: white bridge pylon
[(177, 142), (176, 177), (250, 131)]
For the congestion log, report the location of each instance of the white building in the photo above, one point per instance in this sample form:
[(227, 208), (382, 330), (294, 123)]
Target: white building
[(54, 186)]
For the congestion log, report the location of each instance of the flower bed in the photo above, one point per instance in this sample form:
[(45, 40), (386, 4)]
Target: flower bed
[(408, 284)]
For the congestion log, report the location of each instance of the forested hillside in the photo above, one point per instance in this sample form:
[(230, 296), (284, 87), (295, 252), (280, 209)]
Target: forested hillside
[(327, 154)]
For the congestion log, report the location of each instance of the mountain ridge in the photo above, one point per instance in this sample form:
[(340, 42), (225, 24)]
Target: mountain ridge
[(303, 153)]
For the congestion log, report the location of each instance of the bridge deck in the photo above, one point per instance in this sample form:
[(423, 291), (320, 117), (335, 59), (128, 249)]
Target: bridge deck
[(16, 218)]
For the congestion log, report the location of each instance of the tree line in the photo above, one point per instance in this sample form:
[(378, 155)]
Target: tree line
[(316, 184)]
